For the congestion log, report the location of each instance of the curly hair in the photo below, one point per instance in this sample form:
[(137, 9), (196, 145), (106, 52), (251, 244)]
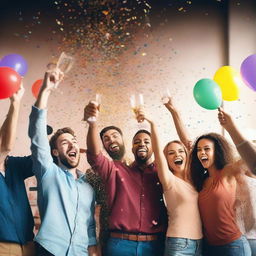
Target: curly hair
[(55, 136), (223, 155)]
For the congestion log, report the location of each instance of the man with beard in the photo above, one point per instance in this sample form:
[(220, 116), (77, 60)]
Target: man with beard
[(137, 217), (65, 199), (112, 139)]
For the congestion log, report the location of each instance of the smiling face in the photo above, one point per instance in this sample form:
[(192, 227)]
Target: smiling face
[(142, 148), (67, 150), (176, 157), (113, 144), (205, 153)]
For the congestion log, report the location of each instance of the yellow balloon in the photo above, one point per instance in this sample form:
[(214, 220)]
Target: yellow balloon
[(229, 80)]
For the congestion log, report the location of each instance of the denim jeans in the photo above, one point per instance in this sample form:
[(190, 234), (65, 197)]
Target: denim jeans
[(182, 246), (122, 247), (252, 243), (239, 247)]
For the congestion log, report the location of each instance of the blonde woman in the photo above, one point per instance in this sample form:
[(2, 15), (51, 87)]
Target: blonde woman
[(184, 232)]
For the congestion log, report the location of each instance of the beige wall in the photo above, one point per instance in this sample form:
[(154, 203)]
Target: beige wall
[(175, 53)]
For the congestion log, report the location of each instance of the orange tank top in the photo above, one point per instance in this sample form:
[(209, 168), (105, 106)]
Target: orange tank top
[(216, 206)]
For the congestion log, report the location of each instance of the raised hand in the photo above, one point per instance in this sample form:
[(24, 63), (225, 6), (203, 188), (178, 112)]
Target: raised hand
[(17, 96), (225, 119), (90, 110), (52, 78), (169, 105)]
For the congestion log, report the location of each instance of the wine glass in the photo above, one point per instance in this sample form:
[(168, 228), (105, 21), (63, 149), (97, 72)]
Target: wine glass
[(137, 102), (97, 103), (165, 95), (65, 63)]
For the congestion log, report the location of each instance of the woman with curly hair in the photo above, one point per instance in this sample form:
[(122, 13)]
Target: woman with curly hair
[(213, 173)]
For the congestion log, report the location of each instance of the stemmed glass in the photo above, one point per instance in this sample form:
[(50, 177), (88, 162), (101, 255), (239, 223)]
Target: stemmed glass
[(65, 63), (165, 96), (97, 103), (136, 102)]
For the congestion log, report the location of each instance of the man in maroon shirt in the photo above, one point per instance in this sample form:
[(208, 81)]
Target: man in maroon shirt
[(134, 195)]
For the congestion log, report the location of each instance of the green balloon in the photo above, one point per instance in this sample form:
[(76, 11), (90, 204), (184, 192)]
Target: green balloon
[(207, 94)]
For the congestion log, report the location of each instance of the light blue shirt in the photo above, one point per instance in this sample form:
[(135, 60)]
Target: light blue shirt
[(66, 205)]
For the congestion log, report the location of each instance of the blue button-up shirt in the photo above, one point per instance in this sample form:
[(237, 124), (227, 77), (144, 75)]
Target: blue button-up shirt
[(16, 220), (66, 205)]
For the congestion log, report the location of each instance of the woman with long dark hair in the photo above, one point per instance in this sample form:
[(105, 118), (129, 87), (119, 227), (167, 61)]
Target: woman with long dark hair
[(214, 177)]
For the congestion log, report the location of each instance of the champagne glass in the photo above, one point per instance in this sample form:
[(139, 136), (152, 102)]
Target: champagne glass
[(97, 103), (65, 63), (165, 95), (136, 102)]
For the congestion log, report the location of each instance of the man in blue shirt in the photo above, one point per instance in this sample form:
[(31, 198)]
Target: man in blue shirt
[(16, 220), (65, 199)]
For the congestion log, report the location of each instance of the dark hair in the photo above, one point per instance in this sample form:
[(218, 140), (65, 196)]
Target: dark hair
[(55, 136), (141, 131), (223, 154), (112, 127)]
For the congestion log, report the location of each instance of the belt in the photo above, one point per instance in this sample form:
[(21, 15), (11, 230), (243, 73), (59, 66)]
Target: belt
[(134, 237)]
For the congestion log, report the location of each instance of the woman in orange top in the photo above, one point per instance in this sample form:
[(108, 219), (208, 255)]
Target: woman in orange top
[(216, 183)]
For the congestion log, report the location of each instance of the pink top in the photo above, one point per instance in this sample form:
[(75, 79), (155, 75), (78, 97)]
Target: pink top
[(183, 213), (216, 205)]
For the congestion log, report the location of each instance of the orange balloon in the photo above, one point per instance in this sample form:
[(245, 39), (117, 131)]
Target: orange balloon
[(36, 87)]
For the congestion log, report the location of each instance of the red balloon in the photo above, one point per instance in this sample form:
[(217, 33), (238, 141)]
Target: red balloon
[(10, 82), (36, 87)]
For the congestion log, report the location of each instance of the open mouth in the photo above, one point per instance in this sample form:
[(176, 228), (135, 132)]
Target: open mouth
[(114, 147), (141, 152), (72, 155), (204, 159), (178, 161)]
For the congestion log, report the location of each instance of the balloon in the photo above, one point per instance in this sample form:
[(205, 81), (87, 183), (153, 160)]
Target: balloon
[(207, 94), (248, 71), (36, 87), (16, 62), (10, 82), (228, 79)]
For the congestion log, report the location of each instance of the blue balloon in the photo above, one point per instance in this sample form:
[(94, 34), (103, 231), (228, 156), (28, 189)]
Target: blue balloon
[(16, 62)]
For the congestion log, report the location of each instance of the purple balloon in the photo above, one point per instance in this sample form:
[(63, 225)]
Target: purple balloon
[(248, 71), (16, 62)]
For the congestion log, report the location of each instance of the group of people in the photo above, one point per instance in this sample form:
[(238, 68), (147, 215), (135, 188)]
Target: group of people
[(184, 199)]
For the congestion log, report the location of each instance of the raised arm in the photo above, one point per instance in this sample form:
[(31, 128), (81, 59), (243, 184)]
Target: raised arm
[(179, 125), (93, 140), (41, 154), (51, 81), (164, 174), (245, 148), (8, 129)]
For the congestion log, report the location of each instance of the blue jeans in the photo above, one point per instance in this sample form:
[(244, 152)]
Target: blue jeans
[(239, 247), (182, 246), (252, 243), (122, 247)]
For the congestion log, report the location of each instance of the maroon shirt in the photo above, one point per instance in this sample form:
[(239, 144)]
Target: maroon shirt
[(134, 196)]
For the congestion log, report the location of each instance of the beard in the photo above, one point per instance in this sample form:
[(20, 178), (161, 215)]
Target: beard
[(64, 160), (141, 160), (117, 155)]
